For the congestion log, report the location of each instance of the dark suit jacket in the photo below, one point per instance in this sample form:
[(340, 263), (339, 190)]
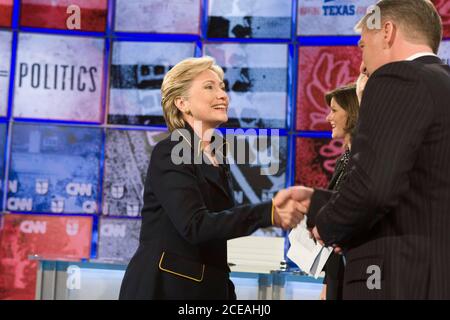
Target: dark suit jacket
[(334, 267), (393, 209), (188, 215)]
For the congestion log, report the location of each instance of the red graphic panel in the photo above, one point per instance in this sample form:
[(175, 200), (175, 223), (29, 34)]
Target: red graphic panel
[(443, 7), (322, 69), (6, 13), (315, 161), (54, 14), (23, 235)]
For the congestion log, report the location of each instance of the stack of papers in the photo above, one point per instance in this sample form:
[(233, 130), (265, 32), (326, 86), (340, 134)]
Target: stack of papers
[(308, 255), (255, 254)]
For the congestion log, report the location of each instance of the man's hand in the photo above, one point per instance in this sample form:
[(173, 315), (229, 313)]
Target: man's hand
[(316, 235), (323, 294), (287, 212), (337, 250)]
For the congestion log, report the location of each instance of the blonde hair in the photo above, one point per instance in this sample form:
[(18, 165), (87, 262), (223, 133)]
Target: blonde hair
[(176, 84), (419, 20)]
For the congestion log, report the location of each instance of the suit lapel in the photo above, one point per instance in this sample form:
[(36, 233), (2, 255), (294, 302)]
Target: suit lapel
[(229, 182), (213, 176), (210, 173)]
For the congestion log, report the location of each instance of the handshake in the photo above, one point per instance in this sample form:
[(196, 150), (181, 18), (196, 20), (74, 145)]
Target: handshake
[(290, 206)]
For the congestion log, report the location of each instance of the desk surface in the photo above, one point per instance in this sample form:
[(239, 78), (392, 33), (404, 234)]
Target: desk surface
[(94, 279), (62, 264)]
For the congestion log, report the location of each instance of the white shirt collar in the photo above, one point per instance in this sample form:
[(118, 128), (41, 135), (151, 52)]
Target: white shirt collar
[(420, 54)]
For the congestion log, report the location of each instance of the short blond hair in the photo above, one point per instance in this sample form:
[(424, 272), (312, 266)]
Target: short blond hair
[(176, 84), (418, 19)]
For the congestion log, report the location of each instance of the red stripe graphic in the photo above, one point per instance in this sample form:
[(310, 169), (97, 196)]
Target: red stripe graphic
[(56, 17), (443, 7), (5, 15), (49, 236), (322, 69), (315, 161)]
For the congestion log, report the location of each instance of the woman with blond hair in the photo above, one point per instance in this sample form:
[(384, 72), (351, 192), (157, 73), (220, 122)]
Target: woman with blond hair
[(189, 211)]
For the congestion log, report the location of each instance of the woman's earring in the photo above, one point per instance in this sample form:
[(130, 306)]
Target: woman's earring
[(188, 112)]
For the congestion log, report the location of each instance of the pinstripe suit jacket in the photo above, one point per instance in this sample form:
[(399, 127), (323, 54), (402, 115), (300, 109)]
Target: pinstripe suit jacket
[(393, 209)]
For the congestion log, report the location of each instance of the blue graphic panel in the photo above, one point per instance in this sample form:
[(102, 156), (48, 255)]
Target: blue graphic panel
[(3, 132), (5, 60), (54, 169)]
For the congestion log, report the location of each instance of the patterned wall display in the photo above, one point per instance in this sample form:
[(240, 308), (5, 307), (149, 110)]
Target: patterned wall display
[(256, 77), (80, 110), (263, 172), (54, 169), (54, 81), (6, 7), (321, 69), (158, 16), (315, 161), (3, 136), (127, 156), (5, 62), (136, 74), (444, 52), (443, 7), (24, 235), (322, 17), (61, 14), (250, 19), (118, 239)]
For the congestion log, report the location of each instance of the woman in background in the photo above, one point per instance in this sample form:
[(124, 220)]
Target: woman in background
[(343, 116)]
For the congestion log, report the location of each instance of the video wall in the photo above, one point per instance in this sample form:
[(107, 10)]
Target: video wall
[(80, 109)]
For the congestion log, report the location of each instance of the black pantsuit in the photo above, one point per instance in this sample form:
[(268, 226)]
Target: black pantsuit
[(188, 215)]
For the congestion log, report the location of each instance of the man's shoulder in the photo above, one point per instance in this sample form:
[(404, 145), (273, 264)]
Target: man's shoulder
[(432, 76), (405, 74), (403, 70), (414, 70)]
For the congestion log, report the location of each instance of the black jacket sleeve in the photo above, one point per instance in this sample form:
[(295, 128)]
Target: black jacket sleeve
[(176, 188), (395, 114), (319, 198)]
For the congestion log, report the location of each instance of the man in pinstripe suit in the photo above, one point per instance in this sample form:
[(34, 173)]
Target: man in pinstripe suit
[(391, 216)]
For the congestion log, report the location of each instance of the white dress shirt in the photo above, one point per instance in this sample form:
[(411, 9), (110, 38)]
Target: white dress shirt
[(419, 55)]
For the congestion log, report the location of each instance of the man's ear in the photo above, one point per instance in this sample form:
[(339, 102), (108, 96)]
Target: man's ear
[(389, 34)]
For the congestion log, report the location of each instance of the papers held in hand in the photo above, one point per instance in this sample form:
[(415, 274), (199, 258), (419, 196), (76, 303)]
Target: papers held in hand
[(308, 255)]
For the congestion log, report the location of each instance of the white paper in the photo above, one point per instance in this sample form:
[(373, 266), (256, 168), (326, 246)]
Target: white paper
[(309, 256)]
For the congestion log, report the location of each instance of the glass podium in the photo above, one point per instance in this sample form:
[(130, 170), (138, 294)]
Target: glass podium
[(75, 279)]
